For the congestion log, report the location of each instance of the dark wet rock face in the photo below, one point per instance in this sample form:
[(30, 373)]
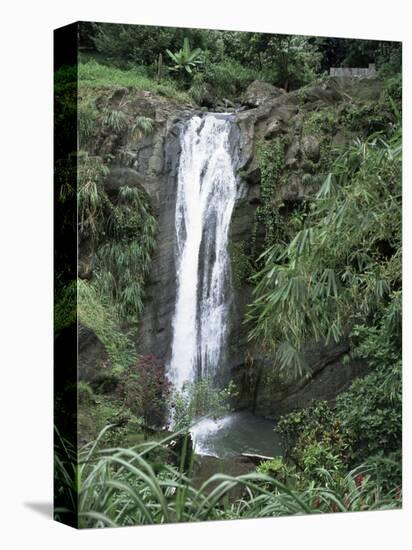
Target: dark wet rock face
[(155, 333), (275, 396)]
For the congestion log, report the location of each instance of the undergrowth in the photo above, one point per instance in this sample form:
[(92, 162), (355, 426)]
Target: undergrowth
[(118, 487)]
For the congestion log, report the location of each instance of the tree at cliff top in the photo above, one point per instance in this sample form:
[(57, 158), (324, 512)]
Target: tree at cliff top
[(283, 59)]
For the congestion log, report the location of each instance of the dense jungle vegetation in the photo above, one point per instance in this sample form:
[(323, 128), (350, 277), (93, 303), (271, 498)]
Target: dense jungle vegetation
[(329, 272)]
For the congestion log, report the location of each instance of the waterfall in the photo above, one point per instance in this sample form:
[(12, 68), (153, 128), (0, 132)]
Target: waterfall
[(206, 194)]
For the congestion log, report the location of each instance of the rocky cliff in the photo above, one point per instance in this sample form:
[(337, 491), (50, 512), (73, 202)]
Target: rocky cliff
[(304, 125)]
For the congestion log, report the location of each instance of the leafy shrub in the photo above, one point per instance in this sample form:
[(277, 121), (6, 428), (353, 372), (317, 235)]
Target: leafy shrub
[(185, 60), (88, 121), (146, 389), (242, 267), (199, 89), (95, 312), (365, 119), (321, 122), (371, 415), (228, 78), (270, 158), (113, 487), (301, 431), (142, 126), (123, 258), (386, 470), (91, 173), (392, 95), (115, 119), (342, 266), (364, 427), (279, 469)]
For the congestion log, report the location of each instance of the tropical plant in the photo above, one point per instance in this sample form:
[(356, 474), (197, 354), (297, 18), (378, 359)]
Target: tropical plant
[(91, 198), (115, 119), (123, 259), (185, 59), (142, 126), (113, 487), (87, 121), (343, 267), (95, 312)]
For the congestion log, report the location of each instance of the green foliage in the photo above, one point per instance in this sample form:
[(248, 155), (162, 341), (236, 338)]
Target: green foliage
[(387, 469), (343, 266), (279, 469), (65, 308), (320, 122), (123, 258), (115, 119), (113, 487), (229, 78), (88, 121), (364, 427), (367, 119), (241, 264), (225, 79), (306, 426), (185, 59), (146, 390), (199, 399), (140, 44), (96, 313), (142, 126), (91, 198), (94, 75), (371, 415), (199, 89), (91, 121), (125, 235), (392, 95), (270, 157), (372, 407), (291, 61), (350, 52)]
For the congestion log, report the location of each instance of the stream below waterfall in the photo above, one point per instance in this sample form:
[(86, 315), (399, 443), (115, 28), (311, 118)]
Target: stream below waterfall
[(234, 434)]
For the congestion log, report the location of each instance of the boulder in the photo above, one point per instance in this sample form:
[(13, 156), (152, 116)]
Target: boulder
[(327, 91), (274, 129), (292, 155), (121, 176), (311, 148), (259, 92), (293, 190), (330, 376)]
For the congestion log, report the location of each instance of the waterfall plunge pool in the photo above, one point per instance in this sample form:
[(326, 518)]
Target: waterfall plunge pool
[(234, 434)]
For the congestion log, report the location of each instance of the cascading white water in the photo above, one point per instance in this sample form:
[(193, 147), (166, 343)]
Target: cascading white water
[(206, 196)]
